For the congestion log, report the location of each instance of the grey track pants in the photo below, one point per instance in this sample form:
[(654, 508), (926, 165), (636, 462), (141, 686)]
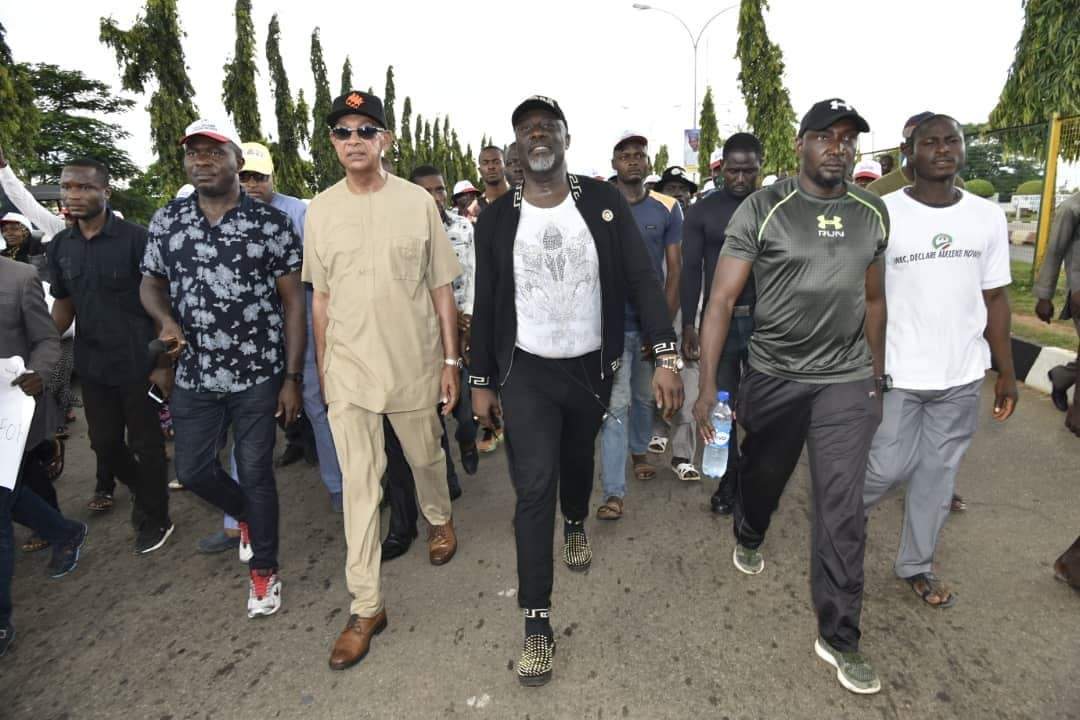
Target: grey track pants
[(922, 438)]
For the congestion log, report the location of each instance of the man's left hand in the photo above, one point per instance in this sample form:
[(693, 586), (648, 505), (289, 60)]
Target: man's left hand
[(30, 383), (449, 389), (667, 391), (1005, 397), (164, 379), (289, 402)]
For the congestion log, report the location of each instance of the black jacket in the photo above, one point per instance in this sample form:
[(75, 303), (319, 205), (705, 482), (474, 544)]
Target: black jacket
[(626, 273)]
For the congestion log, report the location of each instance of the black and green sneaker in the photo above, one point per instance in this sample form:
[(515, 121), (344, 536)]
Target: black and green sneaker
[(577, 552), (853, 670), (747, 560)]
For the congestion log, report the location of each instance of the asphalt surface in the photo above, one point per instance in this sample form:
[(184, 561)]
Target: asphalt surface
[(662, 626)]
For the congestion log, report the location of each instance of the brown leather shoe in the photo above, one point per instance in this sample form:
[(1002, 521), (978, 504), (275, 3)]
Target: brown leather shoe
[(353, 643), (442, 543)]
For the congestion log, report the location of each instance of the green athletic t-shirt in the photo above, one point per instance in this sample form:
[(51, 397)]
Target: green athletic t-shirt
[(810, 257)]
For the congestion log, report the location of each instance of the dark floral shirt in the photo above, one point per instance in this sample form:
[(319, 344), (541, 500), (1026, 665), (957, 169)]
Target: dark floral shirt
[(222, 283)]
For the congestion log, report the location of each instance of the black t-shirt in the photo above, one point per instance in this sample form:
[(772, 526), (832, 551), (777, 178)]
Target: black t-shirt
[(101, 276), (702, 239)]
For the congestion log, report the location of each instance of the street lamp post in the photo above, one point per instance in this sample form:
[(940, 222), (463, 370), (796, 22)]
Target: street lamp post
[(693, 42)]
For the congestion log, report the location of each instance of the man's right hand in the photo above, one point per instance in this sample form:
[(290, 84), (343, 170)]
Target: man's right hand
[(1045, 310), (691, 345), (486, 408), (173, 336), (703, 412)]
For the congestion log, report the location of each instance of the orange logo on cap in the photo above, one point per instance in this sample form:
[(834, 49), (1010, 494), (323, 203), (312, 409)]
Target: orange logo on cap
[(354, 101)]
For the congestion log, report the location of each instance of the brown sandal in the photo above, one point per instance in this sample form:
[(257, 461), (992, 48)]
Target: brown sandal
[(932, 591), (642, 469), (35, 543), (101, 502), (611, 509), (56, 465)]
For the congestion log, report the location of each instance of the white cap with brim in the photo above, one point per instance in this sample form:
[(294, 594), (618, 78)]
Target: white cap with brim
[(185, 191), (223, 132), (463, 186), (653, 178), (867, 168), (14, 217), (629, 135)]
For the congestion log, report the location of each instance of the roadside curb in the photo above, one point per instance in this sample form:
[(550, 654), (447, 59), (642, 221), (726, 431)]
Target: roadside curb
[(1034, 361)]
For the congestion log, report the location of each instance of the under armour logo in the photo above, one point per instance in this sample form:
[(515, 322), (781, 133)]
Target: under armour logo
[(835, 222), (837, 104)]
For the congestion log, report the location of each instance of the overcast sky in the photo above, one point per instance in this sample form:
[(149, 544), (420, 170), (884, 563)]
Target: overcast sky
[(610, 66)]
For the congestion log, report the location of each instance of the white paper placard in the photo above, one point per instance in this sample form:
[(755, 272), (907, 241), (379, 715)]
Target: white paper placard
[(16, 414)]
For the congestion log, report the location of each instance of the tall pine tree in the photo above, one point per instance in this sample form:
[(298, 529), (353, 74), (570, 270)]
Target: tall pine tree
[(288, 167), (423, 157), (151, 51), (388, 100), (709, 137), (660, 162), (326, 170), (346, 76), (406, 154), (239, 94), (761, 79)]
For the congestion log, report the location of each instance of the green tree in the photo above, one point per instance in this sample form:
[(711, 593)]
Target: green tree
[(761, 79), (346, 76), (326, 170), (406, 154), (19, 119), (709, 137), (660, 163), (151, 51), (69, 105), (288, 167), (239, 94), (1040, 82), (419, 148), (388, 100), (303, 131)]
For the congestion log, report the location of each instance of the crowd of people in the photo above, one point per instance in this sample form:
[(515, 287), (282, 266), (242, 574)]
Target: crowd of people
[(538, 312)]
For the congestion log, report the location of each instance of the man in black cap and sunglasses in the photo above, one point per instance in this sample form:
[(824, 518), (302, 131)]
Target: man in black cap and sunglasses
[(557, 259), (814, 244), (386, 344)]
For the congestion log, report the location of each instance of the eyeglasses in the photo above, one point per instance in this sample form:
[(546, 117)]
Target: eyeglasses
[(253, 177), (366, 132)]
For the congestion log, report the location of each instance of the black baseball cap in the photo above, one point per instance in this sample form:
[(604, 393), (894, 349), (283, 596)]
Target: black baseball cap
[(827, 112), (537, 102), (676, 172), (356, 102)]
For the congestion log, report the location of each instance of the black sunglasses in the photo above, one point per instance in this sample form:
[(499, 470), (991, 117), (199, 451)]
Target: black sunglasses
[(367, 132)]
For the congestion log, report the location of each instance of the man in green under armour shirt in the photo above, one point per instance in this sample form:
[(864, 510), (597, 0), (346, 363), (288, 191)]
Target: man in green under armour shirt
[(814, 244)]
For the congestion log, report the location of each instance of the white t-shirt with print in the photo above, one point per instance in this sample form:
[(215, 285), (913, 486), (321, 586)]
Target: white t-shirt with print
[(938, 263), (557, 282), (460, 232)]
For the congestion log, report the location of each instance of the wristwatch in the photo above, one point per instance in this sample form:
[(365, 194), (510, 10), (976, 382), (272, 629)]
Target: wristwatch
[(883, 383), (296, 377), (452, 362), (674, 363)]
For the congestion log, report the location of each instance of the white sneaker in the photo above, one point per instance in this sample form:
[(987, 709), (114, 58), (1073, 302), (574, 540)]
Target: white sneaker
[(264, 593), (174, 484), (246, 553)]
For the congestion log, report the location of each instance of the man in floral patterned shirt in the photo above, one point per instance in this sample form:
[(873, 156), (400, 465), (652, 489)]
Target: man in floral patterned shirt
[(222, 279)]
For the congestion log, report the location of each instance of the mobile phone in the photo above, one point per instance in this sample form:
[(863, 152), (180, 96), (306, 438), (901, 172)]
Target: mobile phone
[(155, 394)]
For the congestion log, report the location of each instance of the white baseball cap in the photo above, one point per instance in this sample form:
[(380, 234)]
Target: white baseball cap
[(223, 132), (185, 191), (463, 186), (628, 135), (867, 168), (14, 217), (652, 178), (716, 158)]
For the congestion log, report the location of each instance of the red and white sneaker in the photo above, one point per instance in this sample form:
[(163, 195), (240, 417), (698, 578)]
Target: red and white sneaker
[(246, 553), (264, 593)]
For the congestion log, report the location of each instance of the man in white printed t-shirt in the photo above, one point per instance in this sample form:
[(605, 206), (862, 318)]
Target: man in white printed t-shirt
[(947, 266)]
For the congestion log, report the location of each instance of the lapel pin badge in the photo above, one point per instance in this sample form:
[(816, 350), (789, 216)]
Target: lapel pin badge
[(607, 215)]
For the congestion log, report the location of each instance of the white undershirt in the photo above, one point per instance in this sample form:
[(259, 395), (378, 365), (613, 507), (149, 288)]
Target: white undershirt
[(557, 282)]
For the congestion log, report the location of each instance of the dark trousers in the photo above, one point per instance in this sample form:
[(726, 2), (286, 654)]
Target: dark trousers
[(140, 463), (551, 416), (400, 485), (729, 372), (200, 420), (837, 424), (26, 508), (35, 474)]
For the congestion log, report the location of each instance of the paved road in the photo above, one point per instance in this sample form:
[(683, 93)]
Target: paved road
[(661, 627)]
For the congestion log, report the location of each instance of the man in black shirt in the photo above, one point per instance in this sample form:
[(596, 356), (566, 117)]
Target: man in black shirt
[(703, 236), (95, 275)]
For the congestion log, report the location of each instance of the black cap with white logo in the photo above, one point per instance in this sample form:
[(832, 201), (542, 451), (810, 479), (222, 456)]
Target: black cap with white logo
[(537, 102), (827, 112)]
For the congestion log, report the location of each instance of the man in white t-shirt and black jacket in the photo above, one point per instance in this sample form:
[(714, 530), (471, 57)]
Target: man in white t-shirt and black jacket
[(947, 267), (557, 259)]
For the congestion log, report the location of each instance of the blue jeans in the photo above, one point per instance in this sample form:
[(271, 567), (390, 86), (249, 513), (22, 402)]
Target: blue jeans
[(628, 425), (315, 409), (25, 507), (200, 419)]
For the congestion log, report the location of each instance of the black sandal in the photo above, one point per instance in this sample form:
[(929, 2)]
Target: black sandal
[(926, 585)]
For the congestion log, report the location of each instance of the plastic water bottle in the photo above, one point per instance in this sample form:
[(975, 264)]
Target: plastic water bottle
[(714, 459)]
